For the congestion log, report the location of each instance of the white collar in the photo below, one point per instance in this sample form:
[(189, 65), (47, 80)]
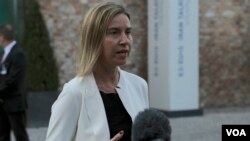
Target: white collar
[(9, 46), (7, 50)]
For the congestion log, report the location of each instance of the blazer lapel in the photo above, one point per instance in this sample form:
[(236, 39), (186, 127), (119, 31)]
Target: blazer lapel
[(123, 94), (95, 109), (10, 53)]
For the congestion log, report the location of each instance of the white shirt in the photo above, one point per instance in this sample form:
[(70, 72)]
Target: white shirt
[(7, 50)]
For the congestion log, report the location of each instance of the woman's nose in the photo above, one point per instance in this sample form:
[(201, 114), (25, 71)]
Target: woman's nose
[(124, 38)]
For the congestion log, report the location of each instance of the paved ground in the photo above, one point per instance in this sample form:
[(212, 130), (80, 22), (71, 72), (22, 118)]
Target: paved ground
[(198, 128), (208, 126)]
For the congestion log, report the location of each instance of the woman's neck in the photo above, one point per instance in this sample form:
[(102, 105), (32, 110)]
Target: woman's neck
[(106, 78)]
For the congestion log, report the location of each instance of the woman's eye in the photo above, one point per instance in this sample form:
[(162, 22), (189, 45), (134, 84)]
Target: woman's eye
[(128, 32), (113, 32)]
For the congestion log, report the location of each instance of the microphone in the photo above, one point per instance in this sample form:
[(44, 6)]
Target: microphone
[(151, 125)]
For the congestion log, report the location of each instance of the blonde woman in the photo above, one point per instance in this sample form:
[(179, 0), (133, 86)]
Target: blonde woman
[(101, 102)]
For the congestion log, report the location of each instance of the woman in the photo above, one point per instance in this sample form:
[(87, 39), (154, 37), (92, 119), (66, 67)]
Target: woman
[(101, 102)]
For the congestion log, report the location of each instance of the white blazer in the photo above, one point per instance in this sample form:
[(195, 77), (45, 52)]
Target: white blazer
[(78, 114)]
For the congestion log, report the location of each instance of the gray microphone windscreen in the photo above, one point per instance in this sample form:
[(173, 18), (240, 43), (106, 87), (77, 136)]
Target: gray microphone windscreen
[(151, 125)]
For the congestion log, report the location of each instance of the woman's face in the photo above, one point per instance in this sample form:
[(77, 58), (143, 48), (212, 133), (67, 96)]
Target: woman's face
[(117, 42)]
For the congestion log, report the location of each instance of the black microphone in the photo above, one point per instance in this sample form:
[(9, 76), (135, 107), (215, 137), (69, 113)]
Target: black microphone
[(151, 125)]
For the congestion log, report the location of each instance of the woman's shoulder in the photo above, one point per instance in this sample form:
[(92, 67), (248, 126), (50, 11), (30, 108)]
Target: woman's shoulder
[(73, 83), (133, 77), (72, 87)]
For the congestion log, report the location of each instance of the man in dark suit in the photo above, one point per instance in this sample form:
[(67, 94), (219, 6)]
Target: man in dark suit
[(13, 102)]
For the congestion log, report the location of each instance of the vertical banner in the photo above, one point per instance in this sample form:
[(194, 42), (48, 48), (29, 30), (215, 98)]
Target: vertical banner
[(173, 54)]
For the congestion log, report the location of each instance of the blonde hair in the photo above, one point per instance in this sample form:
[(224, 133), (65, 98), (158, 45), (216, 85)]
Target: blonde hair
[(93, 30)]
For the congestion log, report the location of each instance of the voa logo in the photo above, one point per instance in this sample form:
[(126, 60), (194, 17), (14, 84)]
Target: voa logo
[(236, 132)]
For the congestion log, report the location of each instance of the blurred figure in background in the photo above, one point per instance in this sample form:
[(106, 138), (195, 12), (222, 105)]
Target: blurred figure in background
[(151, 125), (13, 102), (101, 102)]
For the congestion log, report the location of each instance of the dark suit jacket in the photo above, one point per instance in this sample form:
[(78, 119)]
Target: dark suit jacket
[(12, 89)]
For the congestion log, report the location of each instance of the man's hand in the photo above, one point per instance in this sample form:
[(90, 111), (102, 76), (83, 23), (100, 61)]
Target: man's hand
[(118, 136)]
